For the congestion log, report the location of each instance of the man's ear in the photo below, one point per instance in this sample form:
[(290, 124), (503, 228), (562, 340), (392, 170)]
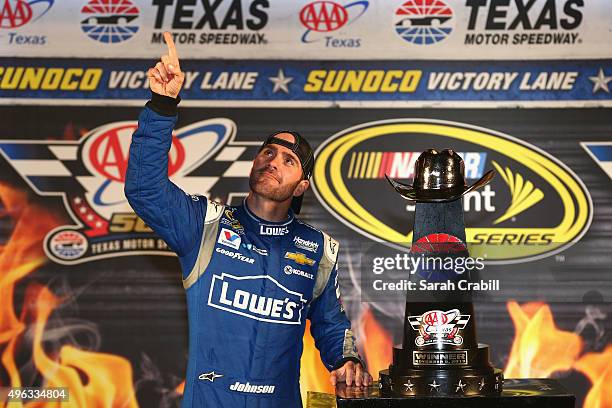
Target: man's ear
[(301, 187)]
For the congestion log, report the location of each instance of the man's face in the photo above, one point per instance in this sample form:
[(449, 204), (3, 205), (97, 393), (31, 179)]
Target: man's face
[(277, 172)]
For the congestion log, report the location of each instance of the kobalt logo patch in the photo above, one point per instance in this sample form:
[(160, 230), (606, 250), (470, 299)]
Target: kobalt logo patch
[(533, 208), (289, 270), (235, 295), (91, 174)]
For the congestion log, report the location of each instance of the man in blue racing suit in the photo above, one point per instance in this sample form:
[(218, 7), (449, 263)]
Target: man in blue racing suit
[(253, 273)]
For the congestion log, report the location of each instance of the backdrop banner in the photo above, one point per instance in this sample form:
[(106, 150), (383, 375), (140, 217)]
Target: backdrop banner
[(86, 287)]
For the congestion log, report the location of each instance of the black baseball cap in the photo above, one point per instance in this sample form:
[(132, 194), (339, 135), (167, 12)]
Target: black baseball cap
[(303, 151)]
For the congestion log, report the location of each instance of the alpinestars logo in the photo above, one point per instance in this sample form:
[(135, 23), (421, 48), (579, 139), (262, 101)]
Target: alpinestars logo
[(235, 294), (89, 176), (436, 326)]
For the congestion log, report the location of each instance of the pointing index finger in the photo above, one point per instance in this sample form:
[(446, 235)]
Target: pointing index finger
[(171, 48)]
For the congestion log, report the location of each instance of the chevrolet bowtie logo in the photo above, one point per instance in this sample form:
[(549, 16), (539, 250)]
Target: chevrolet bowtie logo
[(210, 376), (299, 258)]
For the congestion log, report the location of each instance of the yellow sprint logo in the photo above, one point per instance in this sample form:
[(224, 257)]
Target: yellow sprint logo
[(371, 81)]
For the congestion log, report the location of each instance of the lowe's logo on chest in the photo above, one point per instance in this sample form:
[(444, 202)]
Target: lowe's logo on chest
[(273, 229), (238, 295)]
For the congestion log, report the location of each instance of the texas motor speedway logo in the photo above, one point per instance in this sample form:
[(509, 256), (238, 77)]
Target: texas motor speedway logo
[(89, 175), (523, 22), (222, 22)]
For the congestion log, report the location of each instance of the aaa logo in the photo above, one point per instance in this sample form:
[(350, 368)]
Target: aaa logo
[(17, 13), (89, 175)]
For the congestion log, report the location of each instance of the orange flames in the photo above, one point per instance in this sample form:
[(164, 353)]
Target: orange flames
[(93, 379), (541, 349), (313, 374), (378, 343), (598, 368)]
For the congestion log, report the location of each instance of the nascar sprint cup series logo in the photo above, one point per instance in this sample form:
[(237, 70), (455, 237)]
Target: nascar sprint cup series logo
[(533, 208), (89, 175)]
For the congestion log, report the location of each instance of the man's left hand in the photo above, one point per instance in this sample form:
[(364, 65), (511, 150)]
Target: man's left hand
[(350, 373)]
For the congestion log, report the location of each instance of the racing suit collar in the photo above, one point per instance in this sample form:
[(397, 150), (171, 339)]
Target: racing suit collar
[(261, 222)]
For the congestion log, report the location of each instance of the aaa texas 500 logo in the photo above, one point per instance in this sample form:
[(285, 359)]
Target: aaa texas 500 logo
[(533, 208), (89, 175)]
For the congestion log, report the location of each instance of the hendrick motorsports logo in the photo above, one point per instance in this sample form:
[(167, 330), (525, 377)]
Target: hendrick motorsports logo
[(17, 13), (436, 326), (423, 22), (89, 175), (234, 294), (534, 207), (109, 21)]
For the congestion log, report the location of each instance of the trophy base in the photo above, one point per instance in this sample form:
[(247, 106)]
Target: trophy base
[(436, 373), (534, 393), (442, 382)]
